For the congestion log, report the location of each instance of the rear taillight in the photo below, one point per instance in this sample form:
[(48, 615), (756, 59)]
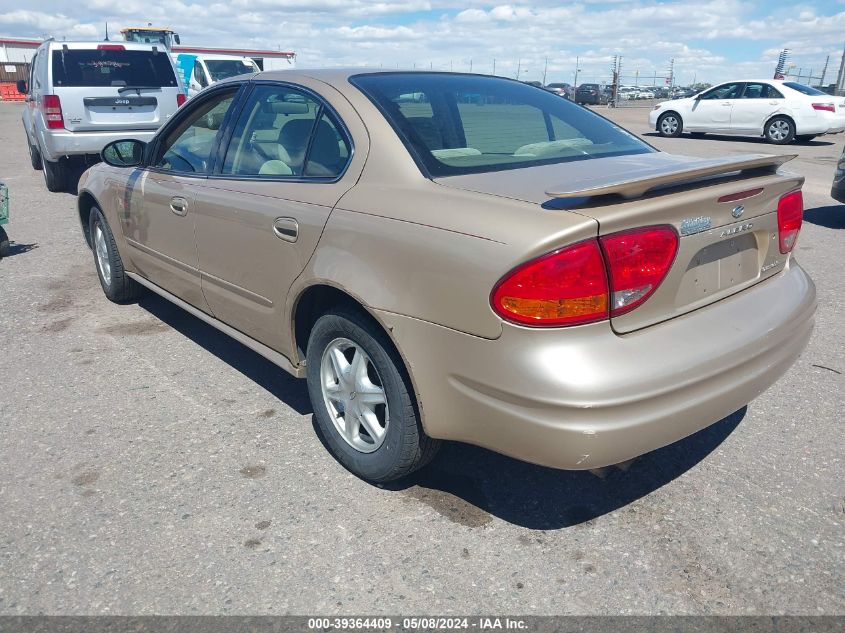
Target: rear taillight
[(824, 107), (52, 108), (588, 281), (790, 216), (566, 287), (637, 262), (180, 99)]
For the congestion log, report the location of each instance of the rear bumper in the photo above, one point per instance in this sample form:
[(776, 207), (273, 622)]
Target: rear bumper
[(57, 143), (586, 397)]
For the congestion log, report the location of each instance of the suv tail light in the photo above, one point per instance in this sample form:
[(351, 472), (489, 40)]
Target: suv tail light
[(565, 287), (825, 107), (52, 108), (638, 262), (790, 216), (180, 99), (588, 281)]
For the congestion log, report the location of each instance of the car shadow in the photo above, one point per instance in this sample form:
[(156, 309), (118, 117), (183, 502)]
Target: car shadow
[(470, 485), (746, 139), (15, 248), (830, 217), (261, 371), (467, 484)]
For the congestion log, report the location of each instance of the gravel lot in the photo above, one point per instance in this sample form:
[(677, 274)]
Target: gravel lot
[(149, 464)]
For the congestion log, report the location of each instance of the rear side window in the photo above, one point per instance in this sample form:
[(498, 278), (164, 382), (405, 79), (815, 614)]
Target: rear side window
[(458, 124), (221, 69), (75, 68), (807, 90)]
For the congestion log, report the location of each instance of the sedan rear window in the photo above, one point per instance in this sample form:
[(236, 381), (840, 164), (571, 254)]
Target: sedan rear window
[(807, 90), (112, 67), (457, 124)]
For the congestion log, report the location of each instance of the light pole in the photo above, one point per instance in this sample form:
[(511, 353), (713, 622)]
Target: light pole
[(577, 61)]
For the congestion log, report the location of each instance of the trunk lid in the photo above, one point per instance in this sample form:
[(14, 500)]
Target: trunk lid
[(724, 211), (112, 88)]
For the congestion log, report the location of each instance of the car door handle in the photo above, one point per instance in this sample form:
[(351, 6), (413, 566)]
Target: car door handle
[(726, 103), (179, 205), (286, 229)]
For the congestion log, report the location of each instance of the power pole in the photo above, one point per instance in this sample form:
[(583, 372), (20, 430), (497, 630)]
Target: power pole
[(494, 66), (577, 60), (824, 71), (840, 80), (671, 78), (545, 68), (518, 68)]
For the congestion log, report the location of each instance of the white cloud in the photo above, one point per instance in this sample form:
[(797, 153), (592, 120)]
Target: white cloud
[(543, 34)]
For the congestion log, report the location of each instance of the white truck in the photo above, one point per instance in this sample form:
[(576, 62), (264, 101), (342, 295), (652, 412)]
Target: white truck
[(199, 71)]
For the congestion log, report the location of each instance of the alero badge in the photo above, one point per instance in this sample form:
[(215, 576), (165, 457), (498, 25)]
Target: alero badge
[(696, 225)]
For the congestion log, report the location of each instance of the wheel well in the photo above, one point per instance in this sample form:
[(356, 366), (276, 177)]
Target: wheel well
[(315, 302), (779, 116), (84, 204)]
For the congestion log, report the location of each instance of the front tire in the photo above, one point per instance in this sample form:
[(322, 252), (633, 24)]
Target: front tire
[(117, 286), (670, 124), (363, 399), (55, 175), (780, 130)]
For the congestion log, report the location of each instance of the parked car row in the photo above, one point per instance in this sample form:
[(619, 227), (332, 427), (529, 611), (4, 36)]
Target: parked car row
[(779, 111)]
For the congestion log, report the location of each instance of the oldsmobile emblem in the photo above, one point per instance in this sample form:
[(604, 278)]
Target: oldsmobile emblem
[(696, 225), (738, 210)]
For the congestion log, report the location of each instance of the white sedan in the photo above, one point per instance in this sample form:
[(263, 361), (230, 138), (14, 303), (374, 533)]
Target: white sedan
[(778, 110)]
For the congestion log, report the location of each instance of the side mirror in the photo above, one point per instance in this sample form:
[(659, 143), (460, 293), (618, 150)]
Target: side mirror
[(176, 38), (123, 153), (20, 84)]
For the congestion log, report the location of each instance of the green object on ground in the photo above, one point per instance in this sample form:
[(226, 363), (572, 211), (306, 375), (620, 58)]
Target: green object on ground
[(4, 204)]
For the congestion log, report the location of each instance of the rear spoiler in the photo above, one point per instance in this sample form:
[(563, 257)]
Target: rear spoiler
[(635, 183)]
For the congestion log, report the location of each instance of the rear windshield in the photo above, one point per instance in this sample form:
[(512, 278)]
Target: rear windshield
[(804, 89), (225, 68), (78, 68), (458, 124)]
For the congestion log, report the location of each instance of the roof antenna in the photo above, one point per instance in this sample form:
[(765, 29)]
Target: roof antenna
[(107, 32)]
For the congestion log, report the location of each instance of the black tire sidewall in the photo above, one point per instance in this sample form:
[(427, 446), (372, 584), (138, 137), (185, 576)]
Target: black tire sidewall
[(121, 289), (54, 175), (34, 156), (386, 462), (4, 243), (660, 124)]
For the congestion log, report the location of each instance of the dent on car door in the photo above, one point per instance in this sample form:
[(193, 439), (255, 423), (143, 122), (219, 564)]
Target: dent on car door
[(712, 111), (261, 214), (158, 225)]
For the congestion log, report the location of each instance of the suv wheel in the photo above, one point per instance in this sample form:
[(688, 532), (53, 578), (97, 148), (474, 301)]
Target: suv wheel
[(362, 399), (117, 286), (34, 155), (55, 175), (780, 130), (670, 124)]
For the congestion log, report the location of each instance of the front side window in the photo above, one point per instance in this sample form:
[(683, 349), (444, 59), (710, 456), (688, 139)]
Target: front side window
[(284, 132), (457, 124), (187, 147), (221, 69), (725, 91), (112, 66), (199, 75)]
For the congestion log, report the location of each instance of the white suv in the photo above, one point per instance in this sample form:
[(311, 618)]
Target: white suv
[(83, 95)]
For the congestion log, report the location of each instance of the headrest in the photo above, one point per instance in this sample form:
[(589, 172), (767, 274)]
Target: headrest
[(287, 107)]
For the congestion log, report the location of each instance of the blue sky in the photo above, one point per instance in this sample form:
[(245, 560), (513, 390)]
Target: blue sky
[(710, 40)]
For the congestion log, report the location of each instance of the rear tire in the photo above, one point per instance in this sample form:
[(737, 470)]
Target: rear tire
[(117, 286), (34, 155), (377, 396), (55, 175), (670, 124), (780, 130)]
